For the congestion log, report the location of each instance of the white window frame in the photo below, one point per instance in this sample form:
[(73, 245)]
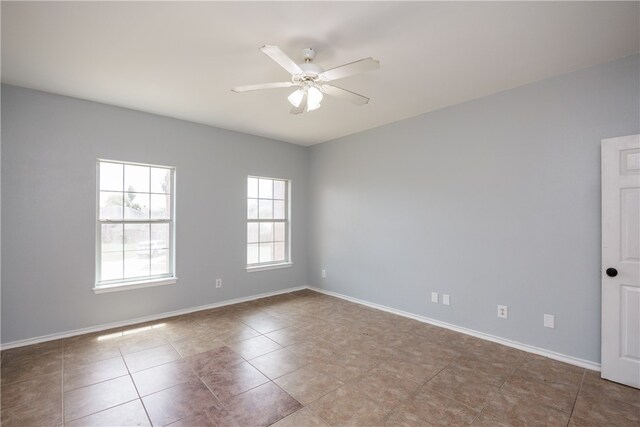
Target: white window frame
[(287, 262), (144, 281)]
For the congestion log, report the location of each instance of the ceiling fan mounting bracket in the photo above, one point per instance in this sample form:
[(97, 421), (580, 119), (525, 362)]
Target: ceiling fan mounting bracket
[(308, 54)]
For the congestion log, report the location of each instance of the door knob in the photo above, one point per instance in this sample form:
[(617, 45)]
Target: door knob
[(611, 272)]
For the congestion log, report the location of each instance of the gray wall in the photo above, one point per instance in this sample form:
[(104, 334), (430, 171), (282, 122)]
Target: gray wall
[(49, 147), (495, 201)]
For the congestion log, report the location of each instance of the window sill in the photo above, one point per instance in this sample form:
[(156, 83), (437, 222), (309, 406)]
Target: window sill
[(269, 267), (134, 285)]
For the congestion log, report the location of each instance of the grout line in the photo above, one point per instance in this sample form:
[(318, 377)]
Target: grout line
[(98, 382), (584, 374), (135, 386), (517, 365)]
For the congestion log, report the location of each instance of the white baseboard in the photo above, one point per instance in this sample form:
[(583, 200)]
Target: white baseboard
[(509, 343), (51, 337)]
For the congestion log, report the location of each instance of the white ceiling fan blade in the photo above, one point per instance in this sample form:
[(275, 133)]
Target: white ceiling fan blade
[(281, 58), (350, 69), (262, 86), (302, 106), (345, 94)]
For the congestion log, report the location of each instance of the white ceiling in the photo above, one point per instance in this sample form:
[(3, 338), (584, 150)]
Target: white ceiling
[(180, 59)]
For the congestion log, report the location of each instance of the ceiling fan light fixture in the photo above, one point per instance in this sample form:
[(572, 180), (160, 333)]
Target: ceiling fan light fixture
[(296, 97), (314, 99)]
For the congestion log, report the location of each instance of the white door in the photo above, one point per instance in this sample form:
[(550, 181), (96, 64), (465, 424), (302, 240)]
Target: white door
[(621, 260)]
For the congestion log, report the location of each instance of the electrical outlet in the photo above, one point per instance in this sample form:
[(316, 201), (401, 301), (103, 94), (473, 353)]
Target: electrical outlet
[(503, 312), (218, 283), (434, 297), (445, 299), (549, 321), (324, 274)]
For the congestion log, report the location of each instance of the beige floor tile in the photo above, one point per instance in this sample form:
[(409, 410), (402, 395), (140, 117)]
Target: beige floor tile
[(278, 363), (301, 418), (158, 378), (254, 347), (403, 418), (437, 409), (494, 371), (213, 360), (25, 363), (152, 357), (128, 414), (515, 408), (178, 402), (26, 392), (94, 373), (262, 406), (46, 412), (347, 406), (471, 391), (197, 344), (308, 384), (596, 387), (289, 335), (142, 341), (228, 381), (84, 401), (559, 395), (236, 332), (550, 371), (602, 411), (386, 388)]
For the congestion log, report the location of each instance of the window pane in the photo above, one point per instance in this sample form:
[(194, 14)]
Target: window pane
[(159, 237), (136, 206), (252, 188), (111, 205), (252, 254), (111, 176), (266, 200), (136, 178), (252, 209), (111, 266), (265, 209), (279, 232), (278, 209), (278, 189), (136, 264), (265, 188), (160, 207), (112, 235), (278, 254), (252, 232), (266, 232), (160, 262), (137, 237), (266, 252), (160, 180)]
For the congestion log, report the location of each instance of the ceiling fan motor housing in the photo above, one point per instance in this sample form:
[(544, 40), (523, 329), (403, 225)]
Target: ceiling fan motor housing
[(309, 69)]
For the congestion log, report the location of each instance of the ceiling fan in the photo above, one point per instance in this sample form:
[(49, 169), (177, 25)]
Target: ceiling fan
[(311, 79)]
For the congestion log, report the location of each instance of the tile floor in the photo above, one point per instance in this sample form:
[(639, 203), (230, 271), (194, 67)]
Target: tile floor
[(294, 360)]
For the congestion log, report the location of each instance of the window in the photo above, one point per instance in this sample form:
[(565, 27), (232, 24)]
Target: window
[(135, 229), (267, 222)]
